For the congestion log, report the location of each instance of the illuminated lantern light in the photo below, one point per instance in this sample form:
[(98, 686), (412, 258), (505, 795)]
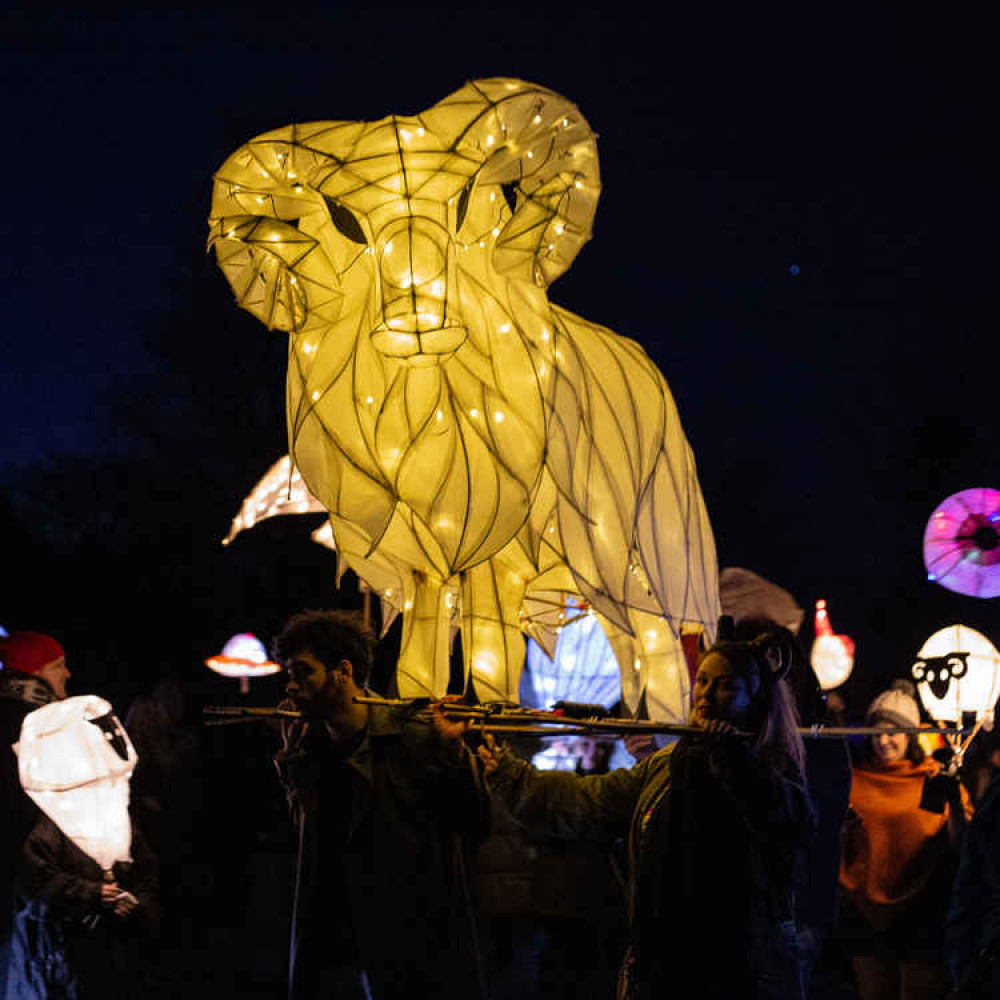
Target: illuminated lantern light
[(74, 762), (930, 742), (962, 543), (280, 491), (244, 657), (832, 656), (422, 248), (584, 668), (958, 671)]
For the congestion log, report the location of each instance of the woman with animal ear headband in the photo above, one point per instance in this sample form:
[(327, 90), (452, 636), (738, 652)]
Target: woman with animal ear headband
[(714, 824)]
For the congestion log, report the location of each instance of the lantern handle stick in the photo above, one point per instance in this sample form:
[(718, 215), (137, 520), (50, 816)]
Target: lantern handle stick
[(956, 761), (512, 719)]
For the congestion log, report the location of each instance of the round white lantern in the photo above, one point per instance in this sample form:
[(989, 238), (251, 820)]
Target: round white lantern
[(957, 671)]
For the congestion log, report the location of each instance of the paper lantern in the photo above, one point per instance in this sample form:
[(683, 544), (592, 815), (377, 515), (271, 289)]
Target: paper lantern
[(957, 671), (962, 543), (584, 668), (744, 594), (280, 491), (832, 656), (243, 656), (466, 435), (74, 761)]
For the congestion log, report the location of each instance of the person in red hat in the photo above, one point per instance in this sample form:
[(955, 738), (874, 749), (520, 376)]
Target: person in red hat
[(33, 672)]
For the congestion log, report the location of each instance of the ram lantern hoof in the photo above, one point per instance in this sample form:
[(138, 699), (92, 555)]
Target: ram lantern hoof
[(484, 451)]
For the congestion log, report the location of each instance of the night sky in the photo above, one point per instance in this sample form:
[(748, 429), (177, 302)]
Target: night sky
[(794, 225)]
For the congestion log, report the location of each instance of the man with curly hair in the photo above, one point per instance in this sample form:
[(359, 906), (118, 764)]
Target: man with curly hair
[(385, 807)]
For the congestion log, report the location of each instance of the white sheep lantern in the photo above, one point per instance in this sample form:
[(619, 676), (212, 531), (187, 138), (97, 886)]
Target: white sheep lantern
[(75, 761), (466, 435)]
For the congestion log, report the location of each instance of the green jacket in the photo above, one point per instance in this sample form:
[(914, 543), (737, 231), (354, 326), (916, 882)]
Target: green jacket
[(773, 820)]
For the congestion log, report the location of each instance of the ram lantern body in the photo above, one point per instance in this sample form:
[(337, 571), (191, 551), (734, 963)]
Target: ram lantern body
[(75, 761), (957, 672), (472, 442)]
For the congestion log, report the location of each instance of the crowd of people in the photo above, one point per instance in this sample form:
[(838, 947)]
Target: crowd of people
[(735, 861)]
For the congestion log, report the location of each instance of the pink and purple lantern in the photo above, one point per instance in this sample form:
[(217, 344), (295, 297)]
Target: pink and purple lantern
[(962, 543)]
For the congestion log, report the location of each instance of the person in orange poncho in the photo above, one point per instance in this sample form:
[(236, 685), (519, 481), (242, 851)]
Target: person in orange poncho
[(900, 848)]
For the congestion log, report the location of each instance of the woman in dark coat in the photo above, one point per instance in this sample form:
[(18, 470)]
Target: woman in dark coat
[(77, 933), (715, 824)]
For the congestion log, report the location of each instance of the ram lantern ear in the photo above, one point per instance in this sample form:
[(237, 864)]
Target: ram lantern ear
[(539, 150)]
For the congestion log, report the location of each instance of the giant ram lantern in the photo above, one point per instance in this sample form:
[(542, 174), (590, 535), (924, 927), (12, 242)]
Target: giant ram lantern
[(478, 446)]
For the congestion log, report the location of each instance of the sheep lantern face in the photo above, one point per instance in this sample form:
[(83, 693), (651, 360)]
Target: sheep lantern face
[(957, 671), (74, 761), (464, 433)]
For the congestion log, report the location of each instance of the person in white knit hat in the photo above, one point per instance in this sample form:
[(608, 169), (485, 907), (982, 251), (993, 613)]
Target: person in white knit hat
[(899, 851), (893, 708)]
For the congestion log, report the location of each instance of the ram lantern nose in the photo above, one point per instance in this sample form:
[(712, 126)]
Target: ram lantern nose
[(413, 266)]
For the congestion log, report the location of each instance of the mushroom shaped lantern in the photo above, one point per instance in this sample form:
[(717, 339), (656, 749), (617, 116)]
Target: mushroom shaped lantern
[(832, 656), (243, 656), (74, 761), (957, 671)]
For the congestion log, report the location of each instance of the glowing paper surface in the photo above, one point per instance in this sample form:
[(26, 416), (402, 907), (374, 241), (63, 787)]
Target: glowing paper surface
[(962, 543), (74, 761), (481, 452), (958, 670)]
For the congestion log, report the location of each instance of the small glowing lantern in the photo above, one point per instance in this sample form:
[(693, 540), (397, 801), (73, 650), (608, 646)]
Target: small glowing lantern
[(962, 543), (280, 491), (832, 656), (958, 671), (74, 761), (243, 656)]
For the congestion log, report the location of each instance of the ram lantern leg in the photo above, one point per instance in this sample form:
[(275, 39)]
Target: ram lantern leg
[(423, 660)]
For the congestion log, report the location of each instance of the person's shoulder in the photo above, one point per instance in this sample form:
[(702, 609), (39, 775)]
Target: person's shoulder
[(656, 762)]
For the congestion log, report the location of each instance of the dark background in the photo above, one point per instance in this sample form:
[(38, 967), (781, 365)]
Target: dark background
[(795, 224)]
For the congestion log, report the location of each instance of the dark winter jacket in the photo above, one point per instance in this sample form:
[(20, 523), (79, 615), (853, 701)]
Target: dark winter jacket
[(19, 695), (381, 880), (714, 834), (65, 943), (828, 779), (973, 921)]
